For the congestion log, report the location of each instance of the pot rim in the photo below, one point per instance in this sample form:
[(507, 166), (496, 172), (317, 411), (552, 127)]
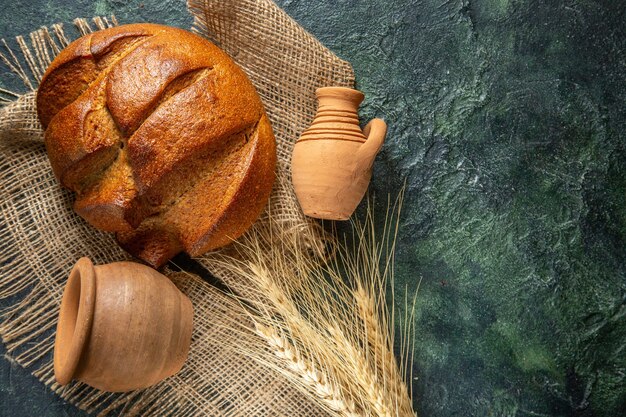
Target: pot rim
[(344, 93), (75, 320)]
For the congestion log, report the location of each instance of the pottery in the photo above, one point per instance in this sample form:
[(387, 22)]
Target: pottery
[(331, 166), (122, 326)]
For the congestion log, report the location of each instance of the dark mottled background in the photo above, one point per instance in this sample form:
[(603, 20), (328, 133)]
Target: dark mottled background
[(507, 121)]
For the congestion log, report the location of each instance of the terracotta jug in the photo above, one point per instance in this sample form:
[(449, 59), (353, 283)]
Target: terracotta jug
[(122, 326), (332, 161)]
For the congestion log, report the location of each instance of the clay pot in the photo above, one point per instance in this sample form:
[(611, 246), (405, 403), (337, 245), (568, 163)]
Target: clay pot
[(122, 326), (332, 161)]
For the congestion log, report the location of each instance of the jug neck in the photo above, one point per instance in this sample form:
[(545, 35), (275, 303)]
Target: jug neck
[(339, 98)]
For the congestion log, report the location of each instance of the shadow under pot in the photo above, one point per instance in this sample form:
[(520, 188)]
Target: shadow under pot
[(122, 326)]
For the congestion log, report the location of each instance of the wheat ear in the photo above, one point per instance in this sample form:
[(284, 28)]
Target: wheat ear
[(307, 373), (325, 324), (386, 364), (364, 375)]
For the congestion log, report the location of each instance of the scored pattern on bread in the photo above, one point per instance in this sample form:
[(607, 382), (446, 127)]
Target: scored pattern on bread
[(162, 137)]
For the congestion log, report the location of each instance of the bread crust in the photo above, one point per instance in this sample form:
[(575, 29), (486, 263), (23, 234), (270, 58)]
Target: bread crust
[(162, 137)]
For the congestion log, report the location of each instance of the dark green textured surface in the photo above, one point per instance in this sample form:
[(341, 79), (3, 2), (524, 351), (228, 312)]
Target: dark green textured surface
[(507, 120)]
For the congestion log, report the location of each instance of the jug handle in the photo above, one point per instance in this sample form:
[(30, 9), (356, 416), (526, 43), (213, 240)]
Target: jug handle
[(375, 132)]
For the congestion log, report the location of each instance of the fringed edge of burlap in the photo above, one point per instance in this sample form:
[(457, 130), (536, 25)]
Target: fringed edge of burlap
[(45, 44)]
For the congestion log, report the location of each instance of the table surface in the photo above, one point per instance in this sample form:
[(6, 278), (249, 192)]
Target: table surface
[(507, 122)]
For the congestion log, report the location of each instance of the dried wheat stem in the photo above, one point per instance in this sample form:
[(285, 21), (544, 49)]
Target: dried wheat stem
[(364, 375), (383, 353), (278, 301), (314, 379)]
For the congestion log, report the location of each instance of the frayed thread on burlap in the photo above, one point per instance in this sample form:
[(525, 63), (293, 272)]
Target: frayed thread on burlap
[(27, 61), (32, 58)]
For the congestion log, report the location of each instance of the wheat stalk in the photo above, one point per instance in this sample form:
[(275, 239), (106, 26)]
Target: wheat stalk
[(383, 353), (365, 375), (314, 379), (324, 326)]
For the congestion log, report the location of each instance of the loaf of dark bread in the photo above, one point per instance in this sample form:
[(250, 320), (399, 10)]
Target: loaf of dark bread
[(162, 137)]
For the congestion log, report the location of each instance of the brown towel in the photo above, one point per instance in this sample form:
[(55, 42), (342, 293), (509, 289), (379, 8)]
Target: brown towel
[(41, 237)]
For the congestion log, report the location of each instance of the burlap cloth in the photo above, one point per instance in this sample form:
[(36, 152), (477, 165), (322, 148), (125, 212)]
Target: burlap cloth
[(41, 237)]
